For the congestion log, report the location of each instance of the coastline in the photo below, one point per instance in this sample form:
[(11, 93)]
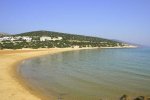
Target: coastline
[(119, 47), (13, 86)]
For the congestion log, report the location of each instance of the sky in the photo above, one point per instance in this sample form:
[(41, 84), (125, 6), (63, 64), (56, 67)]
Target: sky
[(126, 20)]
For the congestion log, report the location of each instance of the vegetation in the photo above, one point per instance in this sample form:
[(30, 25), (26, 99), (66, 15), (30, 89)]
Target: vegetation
[(68, 40)]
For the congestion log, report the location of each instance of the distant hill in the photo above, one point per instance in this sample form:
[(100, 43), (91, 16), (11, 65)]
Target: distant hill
[(134, 44), (51, 39), (65, 36), (3, 34)]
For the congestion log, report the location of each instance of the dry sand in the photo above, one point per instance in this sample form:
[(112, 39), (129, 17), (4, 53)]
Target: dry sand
[(11, 86)]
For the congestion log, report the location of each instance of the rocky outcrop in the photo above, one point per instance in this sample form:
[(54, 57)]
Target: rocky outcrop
[(126, 97)]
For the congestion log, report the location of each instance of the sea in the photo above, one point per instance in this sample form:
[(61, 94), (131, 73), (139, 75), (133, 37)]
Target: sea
[(94, 74)]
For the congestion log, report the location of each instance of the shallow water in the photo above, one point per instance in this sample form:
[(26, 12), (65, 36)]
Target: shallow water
[(90, 74)]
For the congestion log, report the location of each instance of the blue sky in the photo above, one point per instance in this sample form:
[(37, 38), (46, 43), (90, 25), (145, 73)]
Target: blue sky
[(127, 20)]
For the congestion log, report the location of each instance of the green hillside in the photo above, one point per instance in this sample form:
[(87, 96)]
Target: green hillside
[(67, 40), (66, 36)]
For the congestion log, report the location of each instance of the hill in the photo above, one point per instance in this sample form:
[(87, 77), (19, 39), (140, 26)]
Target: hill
[(3, 34), (50, 39), (65, 36)]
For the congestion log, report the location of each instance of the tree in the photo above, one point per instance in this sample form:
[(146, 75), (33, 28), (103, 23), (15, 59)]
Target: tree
[(1, 46)]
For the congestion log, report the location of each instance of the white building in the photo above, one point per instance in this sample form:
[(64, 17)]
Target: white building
[(1, 39), (28, 39), (44, 38), (5, 38)]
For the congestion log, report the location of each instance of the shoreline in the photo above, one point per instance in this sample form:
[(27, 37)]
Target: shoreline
[(118, 47), (13, 86)]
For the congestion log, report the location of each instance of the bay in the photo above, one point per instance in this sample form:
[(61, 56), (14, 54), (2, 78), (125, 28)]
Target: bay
[(90, 74)]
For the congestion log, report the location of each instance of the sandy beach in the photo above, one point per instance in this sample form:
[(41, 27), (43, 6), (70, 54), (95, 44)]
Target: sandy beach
[(12, 87)]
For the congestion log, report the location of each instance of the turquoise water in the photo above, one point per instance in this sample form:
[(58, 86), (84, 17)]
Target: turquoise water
[(90, 74)]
